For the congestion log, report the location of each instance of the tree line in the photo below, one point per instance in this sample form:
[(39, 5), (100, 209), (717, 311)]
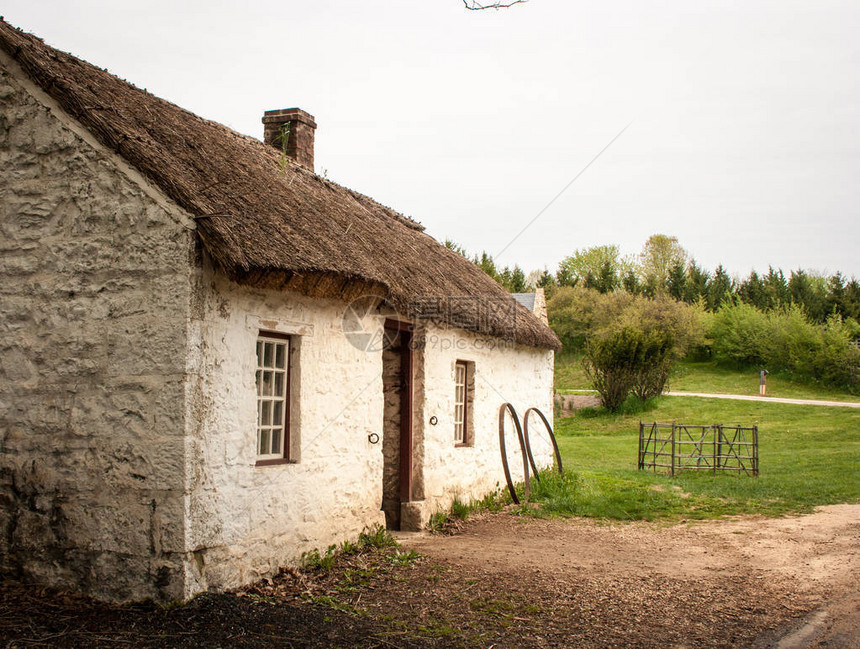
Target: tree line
[(664, 267), (631, 318)]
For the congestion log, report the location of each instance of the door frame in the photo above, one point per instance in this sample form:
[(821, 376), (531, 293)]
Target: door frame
[(406, 330)]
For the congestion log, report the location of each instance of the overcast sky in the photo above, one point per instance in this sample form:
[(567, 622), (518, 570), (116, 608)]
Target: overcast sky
[(744, 116)]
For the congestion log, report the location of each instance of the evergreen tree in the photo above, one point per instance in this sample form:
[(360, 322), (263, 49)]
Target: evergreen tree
[(518, 280), (852, 299), (776, 288), (677, 282), (696, 286), (835, 301), (630, 282), (752, 291), (808, 291), (487, 265), (719, 289)]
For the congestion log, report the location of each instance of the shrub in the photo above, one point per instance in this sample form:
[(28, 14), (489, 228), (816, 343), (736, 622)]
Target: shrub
[(739, 333), (837, 361), (655, 364), (612, 363)]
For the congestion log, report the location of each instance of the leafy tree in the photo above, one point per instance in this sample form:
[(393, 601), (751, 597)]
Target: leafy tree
[(597, 267), (659, 255)]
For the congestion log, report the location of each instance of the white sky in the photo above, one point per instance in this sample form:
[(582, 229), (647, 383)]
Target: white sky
[(744, 141)]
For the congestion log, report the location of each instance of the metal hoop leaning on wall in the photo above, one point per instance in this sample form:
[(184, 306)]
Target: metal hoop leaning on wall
[(505, 454), (551, 438)]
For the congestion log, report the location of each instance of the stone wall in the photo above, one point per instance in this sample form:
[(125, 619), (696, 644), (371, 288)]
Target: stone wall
[(94, 300), (245, 521)]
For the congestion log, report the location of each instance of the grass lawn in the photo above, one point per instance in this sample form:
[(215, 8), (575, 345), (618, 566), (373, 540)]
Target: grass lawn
[(569, 374), (809, 456), (707, 376), (690, 376)]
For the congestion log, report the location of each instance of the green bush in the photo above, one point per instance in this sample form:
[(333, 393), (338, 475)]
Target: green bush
[(613, 362), (740, 335), (837, 361), (785, 340)]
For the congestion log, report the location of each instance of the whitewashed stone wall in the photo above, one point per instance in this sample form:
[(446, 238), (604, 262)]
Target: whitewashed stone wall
[(245, 521), (504, 372), (94, 301)]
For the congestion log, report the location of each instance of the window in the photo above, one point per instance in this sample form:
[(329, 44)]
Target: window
[(464, 390), (273, 405)]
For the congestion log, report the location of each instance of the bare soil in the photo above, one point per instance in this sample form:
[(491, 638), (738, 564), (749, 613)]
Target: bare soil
[(509, 581)]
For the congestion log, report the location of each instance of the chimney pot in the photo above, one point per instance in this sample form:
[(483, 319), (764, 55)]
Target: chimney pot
[(299, 127)]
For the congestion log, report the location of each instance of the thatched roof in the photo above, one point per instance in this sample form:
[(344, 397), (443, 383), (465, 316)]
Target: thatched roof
[(271, 225)]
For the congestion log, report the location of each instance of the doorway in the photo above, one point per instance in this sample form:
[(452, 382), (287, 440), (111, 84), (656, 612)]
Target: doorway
[(397, 421)]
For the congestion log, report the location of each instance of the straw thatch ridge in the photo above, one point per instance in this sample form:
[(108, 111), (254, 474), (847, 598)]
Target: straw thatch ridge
[(266, 221)]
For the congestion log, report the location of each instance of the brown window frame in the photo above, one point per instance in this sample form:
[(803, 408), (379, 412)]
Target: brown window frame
[(467, 404), (283, 457)]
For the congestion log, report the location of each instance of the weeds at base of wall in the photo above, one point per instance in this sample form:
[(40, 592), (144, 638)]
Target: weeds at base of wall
[(376, 537), (450, 521)]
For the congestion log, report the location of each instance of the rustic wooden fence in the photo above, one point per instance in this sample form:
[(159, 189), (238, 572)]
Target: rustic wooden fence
[(681, 447)]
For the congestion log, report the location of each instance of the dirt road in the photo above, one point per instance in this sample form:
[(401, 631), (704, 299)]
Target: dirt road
[(512, 581), (800, 573)]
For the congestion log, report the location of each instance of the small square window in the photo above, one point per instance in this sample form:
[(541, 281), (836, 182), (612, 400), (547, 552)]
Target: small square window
[(273, 405)]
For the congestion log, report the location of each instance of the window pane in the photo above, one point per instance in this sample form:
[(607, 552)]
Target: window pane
[(281, 356), (259, 382), (278, 413), (264, 442), (266, 414), (276, 441), (259, 353), (269, 355), (268, 380), (279, 384)]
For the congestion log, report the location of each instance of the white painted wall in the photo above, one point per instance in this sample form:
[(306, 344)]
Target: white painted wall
[(504, 372), (245, 521)]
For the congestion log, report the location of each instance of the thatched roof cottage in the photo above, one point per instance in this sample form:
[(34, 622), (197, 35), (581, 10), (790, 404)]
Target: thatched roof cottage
[(213, 359)]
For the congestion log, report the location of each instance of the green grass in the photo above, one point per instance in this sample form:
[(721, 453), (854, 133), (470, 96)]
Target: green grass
[(708, 376), (569, 375), (809, 456), (377, 537)]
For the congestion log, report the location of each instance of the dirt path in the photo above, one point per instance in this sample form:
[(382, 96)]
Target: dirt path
[(512, 581), (747, 397), (779, 567)]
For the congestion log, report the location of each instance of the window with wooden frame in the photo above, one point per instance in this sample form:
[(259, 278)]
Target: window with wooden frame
[(273, 398), (464, 389)]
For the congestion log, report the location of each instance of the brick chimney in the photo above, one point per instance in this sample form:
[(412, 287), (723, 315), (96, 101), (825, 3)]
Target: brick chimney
[(300, 127)]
